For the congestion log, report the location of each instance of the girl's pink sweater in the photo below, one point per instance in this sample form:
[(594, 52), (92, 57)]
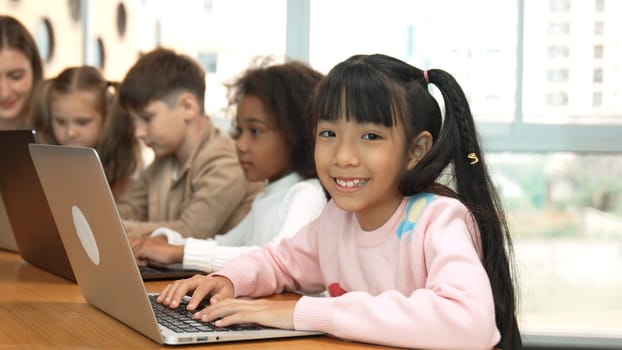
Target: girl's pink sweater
[(415, 282)]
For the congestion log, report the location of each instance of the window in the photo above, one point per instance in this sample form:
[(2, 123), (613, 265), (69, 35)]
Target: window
[(557, 75), (209, 61), (536, 69), (566, 224), (598, 51), (485, 69), (597, 99), (599, 6), (559, 98), (545, 104), (599, 28), (559, 5), (558, 51), (224, 36), (558, 29), (598, 75)]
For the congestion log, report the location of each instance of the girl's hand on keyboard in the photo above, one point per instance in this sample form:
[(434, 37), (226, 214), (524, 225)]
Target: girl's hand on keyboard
[(201, 286), (269, 313), (156, 250)]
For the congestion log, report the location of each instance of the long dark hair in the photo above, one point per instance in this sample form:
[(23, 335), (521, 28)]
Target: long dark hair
[(13, 35), (384, 90)]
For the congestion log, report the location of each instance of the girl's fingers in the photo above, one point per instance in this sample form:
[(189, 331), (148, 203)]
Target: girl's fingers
[(278, 314), (172, 294), (217, 287), (163, 294), (181, 289), (216, 311), (201, 286), (230, 310)]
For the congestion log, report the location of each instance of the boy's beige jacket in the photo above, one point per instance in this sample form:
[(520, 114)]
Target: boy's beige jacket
[(208, 196)]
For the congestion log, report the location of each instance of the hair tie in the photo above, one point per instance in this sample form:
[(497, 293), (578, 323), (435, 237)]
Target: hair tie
[(425, 76), (473, 157)]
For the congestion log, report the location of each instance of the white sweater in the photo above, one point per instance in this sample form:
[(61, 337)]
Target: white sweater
[(282, 209)]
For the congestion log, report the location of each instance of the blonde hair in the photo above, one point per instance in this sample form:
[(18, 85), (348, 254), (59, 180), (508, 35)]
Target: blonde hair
[(117, 146)]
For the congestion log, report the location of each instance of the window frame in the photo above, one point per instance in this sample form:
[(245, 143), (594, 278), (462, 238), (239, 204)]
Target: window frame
[(516, 135)]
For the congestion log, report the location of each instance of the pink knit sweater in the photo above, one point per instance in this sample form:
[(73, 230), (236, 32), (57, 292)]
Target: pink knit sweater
[(415, 282)]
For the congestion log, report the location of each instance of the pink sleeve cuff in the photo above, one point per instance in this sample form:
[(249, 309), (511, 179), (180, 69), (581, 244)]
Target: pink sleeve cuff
[(314, 314)]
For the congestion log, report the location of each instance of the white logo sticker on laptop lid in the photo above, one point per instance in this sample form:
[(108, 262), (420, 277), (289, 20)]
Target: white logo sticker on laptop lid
[(85, 234)]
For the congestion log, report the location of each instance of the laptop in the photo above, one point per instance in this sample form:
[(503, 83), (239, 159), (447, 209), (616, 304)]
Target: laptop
[(28, 221), (27, 213), (99, 251), (7, 239)]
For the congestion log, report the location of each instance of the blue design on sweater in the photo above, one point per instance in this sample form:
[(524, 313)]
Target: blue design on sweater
[(415, 207)]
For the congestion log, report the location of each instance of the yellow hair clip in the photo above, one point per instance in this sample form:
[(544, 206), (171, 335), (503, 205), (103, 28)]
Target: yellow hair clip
[(473, 158)]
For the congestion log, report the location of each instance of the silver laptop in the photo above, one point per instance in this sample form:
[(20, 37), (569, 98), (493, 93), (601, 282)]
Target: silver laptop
[(101, 256), (28, 216)]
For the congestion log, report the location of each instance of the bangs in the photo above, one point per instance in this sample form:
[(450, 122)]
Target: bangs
[(355, 91)]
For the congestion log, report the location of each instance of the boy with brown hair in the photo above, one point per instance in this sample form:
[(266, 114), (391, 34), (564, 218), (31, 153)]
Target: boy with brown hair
[(195, 185)]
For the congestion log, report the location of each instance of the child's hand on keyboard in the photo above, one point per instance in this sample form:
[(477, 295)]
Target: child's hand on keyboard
[(269, 313), (216, 287), (156, 250)]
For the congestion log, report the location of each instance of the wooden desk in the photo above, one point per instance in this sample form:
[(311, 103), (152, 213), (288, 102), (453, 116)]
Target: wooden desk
[(39, 310)]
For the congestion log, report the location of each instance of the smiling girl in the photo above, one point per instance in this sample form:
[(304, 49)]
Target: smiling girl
[(407, 261)]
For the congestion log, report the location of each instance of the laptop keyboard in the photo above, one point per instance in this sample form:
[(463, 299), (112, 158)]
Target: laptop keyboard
[(148, 269), (154, 269), (181, 321)]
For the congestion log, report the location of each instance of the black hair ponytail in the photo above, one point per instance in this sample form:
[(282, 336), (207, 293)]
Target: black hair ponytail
[(458, 140)]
